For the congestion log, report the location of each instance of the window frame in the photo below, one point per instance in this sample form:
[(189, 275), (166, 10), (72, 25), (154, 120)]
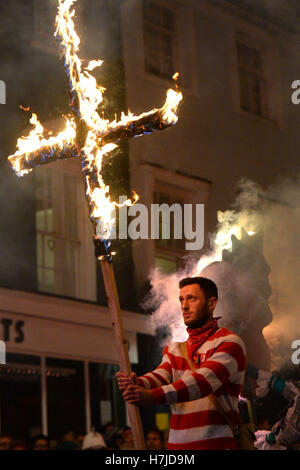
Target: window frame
[(86, 283), (243, 41), (160, 30), (264, 42)]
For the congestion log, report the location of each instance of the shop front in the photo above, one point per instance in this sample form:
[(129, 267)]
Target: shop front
[(60, 364)]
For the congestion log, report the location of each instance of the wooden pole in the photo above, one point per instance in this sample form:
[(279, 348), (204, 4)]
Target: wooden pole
[(122, 349)]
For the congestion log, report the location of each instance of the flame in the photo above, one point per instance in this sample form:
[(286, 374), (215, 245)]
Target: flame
[(87, 96), (93, 64), (38, 139), (171, 105)]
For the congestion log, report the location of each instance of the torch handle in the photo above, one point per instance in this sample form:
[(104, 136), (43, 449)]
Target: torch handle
[(122, 348)]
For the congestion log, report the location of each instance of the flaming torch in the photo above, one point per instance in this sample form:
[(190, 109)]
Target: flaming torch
[(90, 137)]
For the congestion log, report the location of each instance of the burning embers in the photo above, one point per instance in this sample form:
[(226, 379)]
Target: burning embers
[(86, 134)]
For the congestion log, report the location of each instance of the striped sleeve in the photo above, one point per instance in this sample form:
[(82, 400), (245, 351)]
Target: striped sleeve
[(226, 364), (161, 376)]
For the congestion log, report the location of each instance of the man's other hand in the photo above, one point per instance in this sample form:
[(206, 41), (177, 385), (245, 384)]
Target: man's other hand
[(136, 395), (124, 380)]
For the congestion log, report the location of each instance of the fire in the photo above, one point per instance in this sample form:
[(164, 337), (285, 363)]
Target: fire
[(87, 96), (38, 138)]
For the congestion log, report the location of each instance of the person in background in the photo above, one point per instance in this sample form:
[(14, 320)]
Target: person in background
[(93, 441), (69, 436), (108, 427), (17, 445), (154, 439), (113, 438), (40, 442), (68, 442), (285, 433), (127, 439), (68, 445), (79, 439), (5, 442)]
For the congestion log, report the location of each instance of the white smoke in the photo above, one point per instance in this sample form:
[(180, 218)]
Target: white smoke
[(274, 212)]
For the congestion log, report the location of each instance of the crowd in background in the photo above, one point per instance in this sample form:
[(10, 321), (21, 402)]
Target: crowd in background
[(111, 438), (275, 419)]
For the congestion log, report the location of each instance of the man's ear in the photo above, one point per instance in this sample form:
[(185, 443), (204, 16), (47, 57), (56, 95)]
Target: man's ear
[(212, 303)]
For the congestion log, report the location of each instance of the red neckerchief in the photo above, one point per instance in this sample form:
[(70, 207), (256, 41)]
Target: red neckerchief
[(198, 336)]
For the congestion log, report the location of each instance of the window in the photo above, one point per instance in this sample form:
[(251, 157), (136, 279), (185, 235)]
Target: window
[(65, 264), (251, 78), (159, 31), (106, 404), (20, 396), (65, 396)]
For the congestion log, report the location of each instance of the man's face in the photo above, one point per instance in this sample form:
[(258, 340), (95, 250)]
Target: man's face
[(196, 310), (153, 441), (69, 436), (41, 444)]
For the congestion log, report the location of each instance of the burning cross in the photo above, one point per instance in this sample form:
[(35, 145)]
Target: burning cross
[(90, 137), (86, 134)]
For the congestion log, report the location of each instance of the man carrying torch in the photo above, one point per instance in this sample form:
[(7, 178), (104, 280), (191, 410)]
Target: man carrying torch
[(201, 379)]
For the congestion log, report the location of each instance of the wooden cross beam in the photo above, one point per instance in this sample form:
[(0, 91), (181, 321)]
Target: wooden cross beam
[(70, 148), (89, 137)]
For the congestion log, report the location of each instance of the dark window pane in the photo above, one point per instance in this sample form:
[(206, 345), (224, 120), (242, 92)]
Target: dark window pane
[(158, 26), (151, 38), (255, 84), (20, 396), (65, 394), (256, 59), (107, 403), (166, 44), (152, 63), (167, 68), (244, 55), (168, 21), (257, 105), (152, 13), (244, 90)]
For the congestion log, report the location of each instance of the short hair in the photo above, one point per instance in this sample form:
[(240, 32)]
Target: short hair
[(155, 431), (207, 285), (38, 438)]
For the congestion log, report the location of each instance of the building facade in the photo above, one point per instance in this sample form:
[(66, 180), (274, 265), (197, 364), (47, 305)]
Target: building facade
[(237, 61), (236, 65)]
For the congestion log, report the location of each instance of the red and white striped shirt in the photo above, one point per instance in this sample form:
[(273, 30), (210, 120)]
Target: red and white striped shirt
[(195, 422)]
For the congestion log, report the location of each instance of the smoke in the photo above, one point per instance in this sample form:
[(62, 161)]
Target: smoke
[(275, 213), (282, 250)]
